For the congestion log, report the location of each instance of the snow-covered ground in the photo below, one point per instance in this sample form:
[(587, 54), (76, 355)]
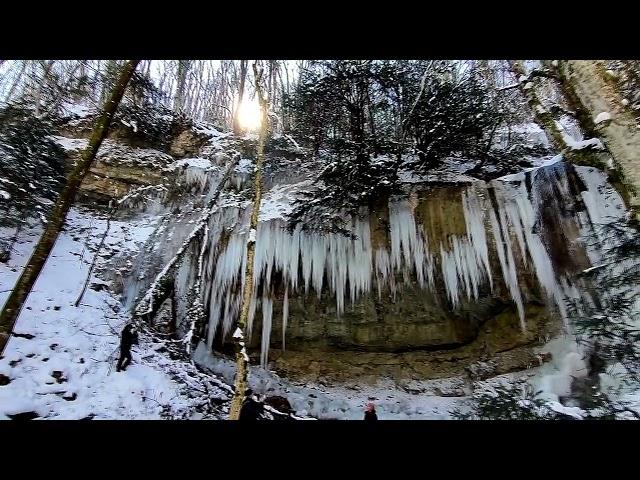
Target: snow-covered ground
[(62, 364), (416, 401)]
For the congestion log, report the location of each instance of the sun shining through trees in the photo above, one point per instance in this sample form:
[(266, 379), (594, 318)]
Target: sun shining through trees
[(249, 114)]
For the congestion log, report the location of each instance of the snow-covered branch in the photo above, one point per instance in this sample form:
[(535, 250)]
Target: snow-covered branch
[(137, 193), (507, 87)]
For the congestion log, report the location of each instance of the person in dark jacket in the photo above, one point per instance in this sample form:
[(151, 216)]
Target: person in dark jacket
[(596, 364), (370, 412), (128, 338), (251, 409), (282, 409)]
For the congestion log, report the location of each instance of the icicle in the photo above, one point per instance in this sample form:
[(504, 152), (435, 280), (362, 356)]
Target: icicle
[(267, 314), (603, 202), (384, 272), (409, 248), (503, 247), (476, 230), (450, 275), (346, 268), (285, 315), (539, 255)]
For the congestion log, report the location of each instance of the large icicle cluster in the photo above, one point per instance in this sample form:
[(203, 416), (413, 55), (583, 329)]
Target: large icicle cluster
[(502, 219)]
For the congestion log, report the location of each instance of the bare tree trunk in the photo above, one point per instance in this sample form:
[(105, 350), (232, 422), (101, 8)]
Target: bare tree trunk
[(16, 82), (96, 80), (107, 78), (161, 82), (243, 76), (45, 79), (81, 84), (283, 97), (273, 67), (242, 359), (226, 95), (372, 121), (197, 93), (183, 68), (29, 275)]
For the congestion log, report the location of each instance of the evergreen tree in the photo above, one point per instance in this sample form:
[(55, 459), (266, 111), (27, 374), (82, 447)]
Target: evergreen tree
[(31, 165)]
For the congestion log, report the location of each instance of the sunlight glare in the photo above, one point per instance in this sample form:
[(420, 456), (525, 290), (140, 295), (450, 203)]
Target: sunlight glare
[(249, 116)]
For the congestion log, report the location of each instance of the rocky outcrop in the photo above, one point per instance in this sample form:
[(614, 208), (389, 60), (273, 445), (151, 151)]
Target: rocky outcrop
[(112, 182), (450, 277), (499, 347), (413, 319), (120, 168), (187, 144)]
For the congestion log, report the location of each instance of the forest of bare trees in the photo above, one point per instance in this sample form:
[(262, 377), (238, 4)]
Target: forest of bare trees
[(203, 90)]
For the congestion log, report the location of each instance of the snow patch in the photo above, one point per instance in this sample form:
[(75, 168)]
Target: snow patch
[(77, 110), (203, 163), (71, 144), (591, 143), (244, 166), (67, 370), (278, 202), (209, 130), (602, 117)]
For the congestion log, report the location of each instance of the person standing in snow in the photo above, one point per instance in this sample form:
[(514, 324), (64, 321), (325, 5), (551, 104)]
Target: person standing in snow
[(596, 364), (128, 339), (252, 408), (370, 412)]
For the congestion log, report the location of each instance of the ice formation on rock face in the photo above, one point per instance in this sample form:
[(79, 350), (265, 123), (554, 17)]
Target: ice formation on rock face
[(503, 235)]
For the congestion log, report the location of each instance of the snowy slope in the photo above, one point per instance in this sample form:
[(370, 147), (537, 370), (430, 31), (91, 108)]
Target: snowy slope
[(63, 364)]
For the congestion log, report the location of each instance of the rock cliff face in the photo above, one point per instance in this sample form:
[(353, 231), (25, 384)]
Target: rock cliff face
[(414, 320), (120, 168), (127, 159), (498, 346), (448, 272), (423, 273), (447, 276)]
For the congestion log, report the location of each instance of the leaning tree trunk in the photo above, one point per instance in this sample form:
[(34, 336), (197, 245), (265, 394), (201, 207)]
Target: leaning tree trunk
[(585, 87), (586, 81), (242, 359), (58, 215)]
